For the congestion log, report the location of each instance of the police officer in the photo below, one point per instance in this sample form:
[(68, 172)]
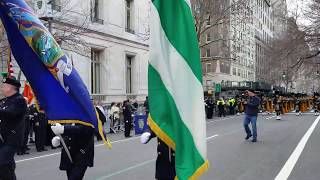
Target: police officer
[(232, 104), (40, 130), (165, 163), (209, 105), (12, 111), (221, 105), (32, 110), (79, 140), (127, 115)]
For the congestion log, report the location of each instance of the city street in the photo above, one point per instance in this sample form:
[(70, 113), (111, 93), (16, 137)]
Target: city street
[(69, 66), (230, 156)]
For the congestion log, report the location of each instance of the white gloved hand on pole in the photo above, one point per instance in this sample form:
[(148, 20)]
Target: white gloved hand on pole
[(57, 129), (55, 141), (145, 137)]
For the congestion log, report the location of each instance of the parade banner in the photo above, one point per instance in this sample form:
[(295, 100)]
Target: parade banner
[(176, 101), (55, 82)]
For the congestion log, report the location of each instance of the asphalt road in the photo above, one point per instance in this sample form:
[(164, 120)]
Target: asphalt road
[(287, 148)]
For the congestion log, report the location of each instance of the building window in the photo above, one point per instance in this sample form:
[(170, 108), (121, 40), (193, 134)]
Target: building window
[(208, 53), (208, 21), (208, 67), (234, 71), (129, 16), (56, 5), (129, 75), (225, 67), (95, 71), (95, 11), (208, 37)]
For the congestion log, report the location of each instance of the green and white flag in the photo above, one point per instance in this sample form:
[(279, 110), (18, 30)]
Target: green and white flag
[(176, 102)]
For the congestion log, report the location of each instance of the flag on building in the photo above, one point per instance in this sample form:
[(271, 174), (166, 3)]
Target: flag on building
[(176, 99), (56, 83)]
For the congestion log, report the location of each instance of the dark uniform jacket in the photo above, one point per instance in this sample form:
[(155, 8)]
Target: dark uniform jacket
[(165, 164), (12, 125), (127, 113), (80, 142), (210, 104)]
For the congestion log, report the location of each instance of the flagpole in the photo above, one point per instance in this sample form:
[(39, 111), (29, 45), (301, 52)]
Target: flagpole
[(48, 19), (65, 148)]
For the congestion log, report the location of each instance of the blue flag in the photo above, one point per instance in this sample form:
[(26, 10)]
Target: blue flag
[(55, 82)]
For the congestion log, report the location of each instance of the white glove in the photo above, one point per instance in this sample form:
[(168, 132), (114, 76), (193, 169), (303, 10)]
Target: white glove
[(55, 141), (57, 129), (145, 137)]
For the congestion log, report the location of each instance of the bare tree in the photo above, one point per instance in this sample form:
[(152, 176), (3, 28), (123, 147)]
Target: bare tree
[(68, 24), (210, 14), (286, 55), (4, 49)]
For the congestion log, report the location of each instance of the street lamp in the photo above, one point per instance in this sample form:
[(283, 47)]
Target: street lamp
[(285, 79), (284, 75)]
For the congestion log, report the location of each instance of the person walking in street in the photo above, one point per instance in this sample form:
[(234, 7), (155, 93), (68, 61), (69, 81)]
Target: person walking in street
[(221, 106), (12, 126), (79, 140), (251, 114), (165, 163), (278, 106)]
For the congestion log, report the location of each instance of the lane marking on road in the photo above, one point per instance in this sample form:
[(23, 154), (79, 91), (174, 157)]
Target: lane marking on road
[(219, 120), (294, 157), (139, 165), (53, 154), (38, 157), (211, 137)]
